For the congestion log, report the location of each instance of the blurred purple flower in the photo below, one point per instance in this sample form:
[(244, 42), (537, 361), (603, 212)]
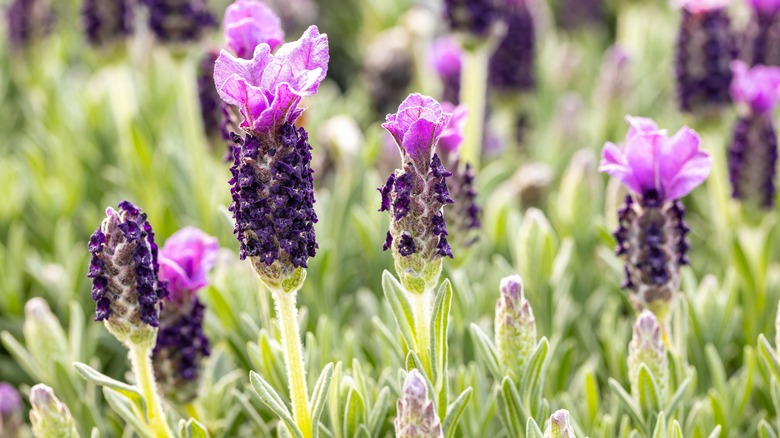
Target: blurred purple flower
[(249, 23), (268, 88), (447, 56), (179, 21), (10, 411), (28, 20), (452, 136), (767, 7), (185, 259), (696, 6), (757, 88), (654, 165), (107, 21), (511, 66), (476, 17)]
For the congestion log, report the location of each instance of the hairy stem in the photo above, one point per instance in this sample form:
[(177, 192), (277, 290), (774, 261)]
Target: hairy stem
[(422, 329), (141, 361), (287, 312)]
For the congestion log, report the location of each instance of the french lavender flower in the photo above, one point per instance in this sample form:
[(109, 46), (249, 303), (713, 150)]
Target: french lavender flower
[(416, 415), (463, 191), (414, 195), (647, 348), (706, 45), (107, 21), (10, 411), (211, 110), (28, 21), (515, 326), (560, 426), (512, 64), (272, 184), (50, 418), (762, 37), (181, 347), (753, 149), (179, 21), (249, 23), (124, 267), (475, 17), (447, 56), (651, 235)]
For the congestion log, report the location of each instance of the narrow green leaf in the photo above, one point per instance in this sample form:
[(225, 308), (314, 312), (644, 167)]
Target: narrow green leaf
[(125, 408), (530, 385), (378, 414), (676, 430), (130, 392), (487, 351), (628, 403), (76, 330), (95, 433), (454, 412), (334, 402), (354, 412), (591, 395), (677, 397), (439, 325), (765, 430), (271, 399), (532, 430), (401, 307), (250, 410), (716, 432), (320, 395), (513, 406), (192, 429), (21, 355), (649, 399), (768, 356), (660, 423)]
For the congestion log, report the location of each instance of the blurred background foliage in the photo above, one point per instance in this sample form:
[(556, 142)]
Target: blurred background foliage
[(82, 129)]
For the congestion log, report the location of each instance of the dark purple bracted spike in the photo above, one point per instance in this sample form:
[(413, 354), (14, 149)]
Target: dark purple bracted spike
[(472, 16), (512, 64), (179, 21), (752, 160), (107, 21)]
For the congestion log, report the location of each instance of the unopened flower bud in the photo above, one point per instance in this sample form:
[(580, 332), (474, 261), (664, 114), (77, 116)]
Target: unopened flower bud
[(559, 426), (417, 417), (124, 270), (10, 411), (515, 326), (50, 418), (43, 333), (647, 348)]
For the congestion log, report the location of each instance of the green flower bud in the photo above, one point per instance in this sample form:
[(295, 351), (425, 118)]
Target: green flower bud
[(417, 416), (647, 347), (49, 417), (559, 426), (43, 333), (515, 326)]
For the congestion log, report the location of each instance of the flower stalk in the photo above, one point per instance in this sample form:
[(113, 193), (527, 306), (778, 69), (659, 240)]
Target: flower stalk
[(473, 92), (422, 318), (141, 362)]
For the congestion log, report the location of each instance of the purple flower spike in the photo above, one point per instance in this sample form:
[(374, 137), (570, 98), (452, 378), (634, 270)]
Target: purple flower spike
[(417, 127), (765, 7), (125, 285), (268, 88), (179, 21), (249, 23), (761, 38), (107, 21), (28, 21), (757, 88), (655, 166), (475, 17), (512, 64), (185, 259)]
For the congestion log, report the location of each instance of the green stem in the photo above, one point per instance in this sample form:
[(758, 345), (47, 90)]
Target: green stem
[(473, 93), (140, 358), (422, 329), (287, 312)]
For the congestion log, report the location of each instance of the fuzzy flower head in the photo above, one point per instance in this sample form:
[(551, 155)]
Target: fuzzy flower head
[(654, 166), (268, 88), (249, 23), (514, 325), (765, 7), (414, 195), (698, 6), (124, 270), (756, 88), (647, 348), (452, 136), (560, 426), (185, 259), (417, 416)]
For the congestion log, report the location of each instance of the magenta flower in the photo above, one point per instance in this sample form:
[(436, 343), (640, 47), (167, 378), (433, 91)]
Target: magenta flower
[(452, 136), (446, 54), (417, 126), (249, 23), (185, 259), (758, 88), (768, 7), (268, 88), (655, 166)]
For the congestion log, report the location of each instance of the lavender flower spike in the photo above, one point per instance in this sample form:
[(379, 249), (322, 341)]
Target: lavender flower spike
[(658, 170), (268, 88), (272, 184), (10, 411), (249, 23), (414, 196), (179, 21), (512, 64), (753, 149), (475, 17), (706, 45), (181, 347), (417, 416), (647, 348), (762, 36), (107, 21), (447, 55), (124, 269)]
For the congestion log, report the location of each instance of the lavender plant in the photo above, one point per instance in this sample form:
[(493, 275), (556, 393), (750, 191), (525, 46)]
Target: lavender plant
[(760, 45)]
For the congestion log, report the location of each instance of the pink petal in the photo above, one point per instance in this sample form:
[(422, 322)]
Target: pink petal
[(694, 172), (639, 125), (675, 153), (303, 63), (613, 162), (419, 139), (249, 23), (285, 99), (642, 152)]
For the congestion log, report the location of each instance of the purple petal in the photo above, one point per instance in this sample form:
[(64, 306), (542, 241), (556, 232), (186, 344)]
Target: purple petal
[(303, 63), (186, 258), (767, 7), (418, 140), (249, 23), (613, 162), (452, 136), (284, 100), (642, 152), (446, 54), (683, 165), (639, 125), (758, 88)]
